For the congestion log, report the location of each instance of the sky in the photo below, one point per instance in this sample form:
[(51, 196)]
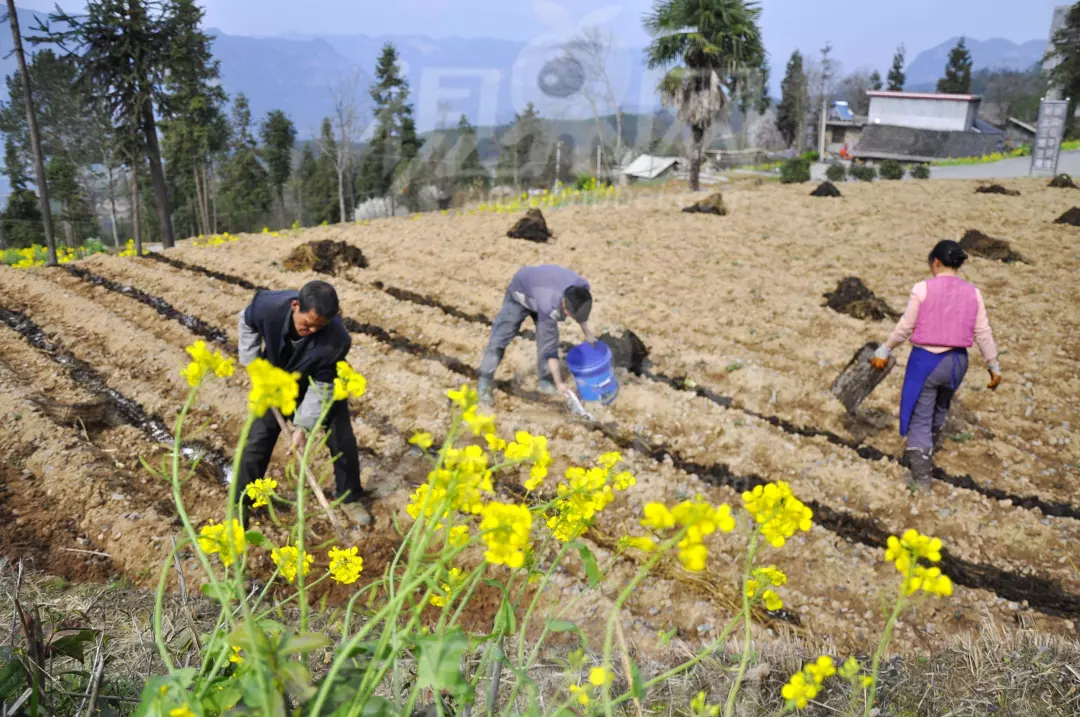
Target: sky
[(864, 33)]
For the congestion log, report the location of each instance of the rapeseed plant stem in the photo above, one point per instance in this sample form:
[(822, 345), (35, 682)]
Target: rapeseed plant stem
[(884, 642), (729, 708)]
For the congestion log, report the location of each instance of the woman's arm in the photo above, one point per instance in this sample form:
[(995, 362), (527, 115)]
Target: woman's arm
[(906, 325), (984, 336)]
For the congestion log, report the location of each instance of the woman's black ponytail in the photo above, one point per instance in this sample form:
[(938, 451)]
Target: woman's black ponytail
[(949, 253)]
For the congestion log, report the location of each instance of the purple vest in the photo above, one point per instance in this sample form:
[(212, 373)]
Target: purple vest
[(947, 315)]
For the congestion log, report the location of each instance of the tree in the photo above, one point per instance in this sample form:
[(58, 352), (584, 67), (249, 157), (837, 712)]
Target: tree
[(957, 79), (521, 156), (707, 47), (896, 72), (123, 49), (324, 188), (828, 69), (246, 189), (470, 173), (560, 163), (395, 144), (21, 219), (1065, 54), (278, 136), (35, 140), (591, 49), (853, 88), (347, 125), (875, 81), (794, 101), (195, 128)]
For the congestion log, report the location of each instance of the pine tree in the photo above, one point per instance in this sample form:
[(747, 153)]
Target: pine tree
[(21, 218), (246, 189), (278, 136), (957, 79), (794, 101), (875, 81), (1065, 75), (521, 156), (324, 206), (470, 173), (897, 78), (306, 173), (394, 144)]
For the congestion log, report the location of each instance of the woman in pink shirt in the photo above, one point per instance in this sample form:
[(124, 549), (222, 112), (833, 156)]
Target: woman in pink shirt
[(945, 315)]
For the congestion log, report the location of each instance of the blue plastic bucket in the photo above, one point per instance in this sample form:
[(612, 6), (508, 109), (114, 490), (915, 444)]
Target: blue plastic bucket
[(593, 372)]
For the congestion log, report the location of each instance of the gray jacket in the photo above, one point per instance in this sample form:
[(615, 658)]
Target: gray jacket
[(540, 289)]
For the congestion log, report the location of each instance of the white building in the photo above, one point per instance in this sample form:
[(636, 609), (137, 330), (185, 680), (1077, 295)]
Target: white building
[(918, 110)]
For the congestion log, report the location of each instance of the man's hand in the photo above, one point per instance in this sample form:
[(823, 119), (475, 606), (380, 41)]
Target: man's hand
[(589, 337), (296, 445), (881, 357)]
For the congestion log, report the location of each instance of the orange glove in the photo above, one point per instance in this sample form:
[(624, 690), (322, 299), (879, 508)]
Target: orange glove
[(879, 363), (995, 380)]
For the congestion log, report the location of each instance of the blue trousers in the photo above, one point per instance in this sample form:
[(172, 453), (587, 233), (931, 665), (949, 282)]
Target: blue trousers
[(935, 398)]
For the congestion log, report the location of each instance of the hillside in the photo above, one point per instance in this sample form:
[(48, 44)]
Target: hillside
[(929, 65)]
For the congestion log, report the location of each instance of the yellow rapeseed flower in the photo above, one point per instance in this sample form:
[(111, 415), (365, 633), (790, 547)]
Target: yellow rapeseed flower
[(701, 708), (494, 442), (581, 694), (624, 480), (799, 691), (203, 362), (480, 424), (610, 460), (464, 397), (287, 558), (422, 439), (657, 517), (260, 491), (453, 581), (458, 536), (345, 565), (182, 711), (639, 542), (271, 387), (777, 512), (599, 676), (236, 656), (348, 383), (505, 529), (215, 538)]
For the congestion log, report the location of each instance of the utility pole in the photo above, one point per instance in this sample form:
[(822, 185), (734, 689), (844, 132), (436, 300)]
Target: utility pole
[(599, 157), (826, 73), (558, 164), (35, 138)]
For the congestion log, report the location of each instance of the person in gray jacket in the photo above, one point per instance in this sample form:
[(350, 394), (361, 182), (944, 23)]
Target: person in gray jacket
[(549, 294), (301, 332)]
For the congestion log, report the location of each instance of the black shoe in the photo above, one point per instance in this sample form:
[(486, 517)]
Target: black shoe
[(921, 465)]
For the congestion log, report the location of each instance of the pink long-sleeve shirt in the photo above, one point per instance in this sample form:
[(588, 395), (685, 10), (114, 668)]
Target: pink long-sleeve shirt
[(984, 336)]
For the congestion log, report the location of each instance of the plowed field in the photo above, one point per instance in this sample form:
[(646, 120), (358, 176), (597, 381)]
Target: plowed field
[(742, 357)]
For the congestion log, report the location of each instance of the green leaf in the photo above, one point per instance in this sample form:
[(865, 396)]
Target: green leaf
[(438, 665), (505, 621), (220, 592), (224, 697), (297, 680), (254, 537), (592, 571), (562, 626), (637, 685), (13, 679), (70, 643), (303, 644)]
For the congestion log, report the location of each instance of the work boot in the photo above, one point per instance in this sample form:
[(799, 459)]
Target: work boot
[(357, 513), (485, 392), (921, 465), (547, 387), (939, 438)]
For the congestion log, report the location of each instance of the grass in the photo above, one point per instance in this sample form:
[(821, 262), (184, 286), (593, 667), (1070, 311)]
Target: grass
[(1024, 151)]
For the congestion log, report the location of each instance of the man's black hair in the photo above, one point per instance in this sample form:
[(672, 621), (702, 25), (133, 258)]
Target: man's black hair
[(321, 297), (578, 303)]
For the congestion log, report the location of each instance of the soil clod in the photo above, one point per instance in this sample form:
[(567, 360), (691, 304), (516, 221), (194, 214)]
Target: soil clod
[(977, 243), (826, 189), (89, 416), (851, 297), (714, 204), (1063, 181), (627, 350), (325, 257), (1071, 217), (997, 189), (531, 227)]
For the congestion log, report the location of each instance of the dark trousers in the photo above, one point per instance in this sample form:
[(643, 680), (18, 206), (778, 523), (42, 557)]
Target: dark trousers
[(932, 409), (503, 330), (341, 442)]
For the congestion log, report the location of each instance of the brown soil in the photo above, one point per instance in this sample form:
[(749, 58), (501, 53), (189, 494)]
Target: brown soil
[(736, 321), (997, 189), (1062, 181), (714, 204), (826, 189), (851, 297), (1071, 217), (531, 227), (977, 243), (325, 257)]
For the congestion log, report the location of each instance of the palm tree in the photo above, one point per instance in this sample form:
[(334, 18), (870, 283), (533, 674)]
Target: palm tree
[(708, 47)]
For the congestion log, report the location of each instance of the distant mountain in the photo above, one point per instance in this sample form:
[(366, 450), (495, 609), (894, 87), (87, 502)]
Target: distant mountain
[(929, 66)]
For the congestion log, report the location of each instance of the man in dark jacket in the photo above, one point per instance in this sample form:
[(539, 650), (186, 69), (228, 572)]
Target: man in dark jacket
[(549, 294), (302, 332)]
